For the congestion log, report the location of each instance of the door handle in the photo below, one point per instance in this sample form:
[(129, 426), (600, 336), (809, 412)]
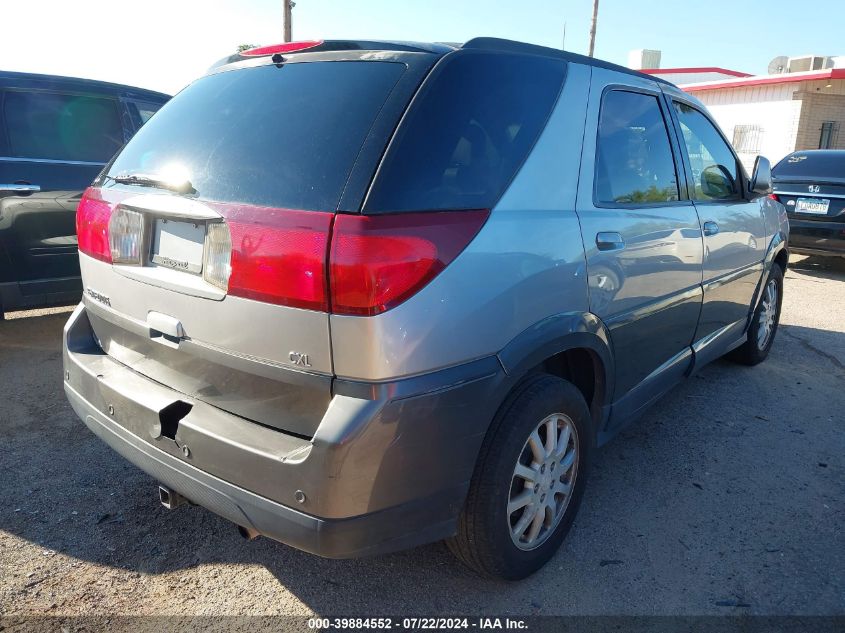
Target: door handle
[(20, 188), (609, 241), (711, 228)]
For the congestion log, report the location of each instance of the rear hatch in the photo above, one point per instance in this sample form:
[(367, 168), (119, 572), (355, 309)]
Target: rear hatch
[(204, 244)]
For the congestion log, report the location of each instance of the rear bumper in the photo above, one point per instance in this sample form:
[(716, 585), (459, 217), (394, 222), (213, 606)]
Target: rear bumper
[(815, 237), (388, 468)]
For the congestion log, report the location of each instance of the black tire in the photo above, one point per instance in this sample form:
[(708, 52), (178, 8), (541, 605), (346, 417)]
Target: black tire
[(751, 352), (484, 541)]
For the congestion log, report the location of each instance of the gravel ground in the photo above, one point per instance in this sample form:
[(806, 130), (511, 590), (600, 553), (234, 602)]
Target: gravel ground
[(726, 498)]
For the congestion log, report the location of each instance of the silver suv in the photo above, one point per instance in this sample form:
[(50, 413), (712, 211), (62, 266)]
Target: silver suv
[(360, 296)]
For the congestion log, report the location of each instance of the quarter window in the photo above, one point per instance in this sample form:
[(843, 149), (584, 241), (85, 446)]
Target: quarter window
[(634, 163), (61, 126), (467, 132), (714, 167)]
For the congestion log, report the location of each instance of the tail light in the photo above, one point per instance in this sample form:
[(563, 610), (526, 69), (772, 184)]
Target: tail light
[(346, 264), (377, 262), (774, 197), (279, 255), (92, 225)]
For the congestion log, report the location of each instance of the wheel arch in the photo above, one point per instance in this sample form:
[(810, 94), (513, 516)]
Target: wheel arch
[(573, 346), (777, 253)]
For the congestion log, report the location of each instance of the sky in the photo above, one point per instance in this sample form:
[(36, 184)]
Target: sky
[(165, 44)]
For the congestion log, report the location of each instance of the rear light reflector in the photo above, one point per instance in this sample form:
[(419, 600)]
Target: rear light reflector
[(126, 234), (92, 225), (287, 47), (279, 255), (379, 261)]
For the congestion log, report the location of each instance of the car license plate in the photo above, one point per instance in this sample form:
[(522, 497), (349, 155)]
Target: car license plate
[(178, 245), (812, 205)]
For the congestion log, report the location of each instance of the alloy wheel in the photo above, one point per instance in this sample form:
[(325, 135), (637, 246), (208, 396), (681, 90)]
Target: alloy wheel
[(543, 481)]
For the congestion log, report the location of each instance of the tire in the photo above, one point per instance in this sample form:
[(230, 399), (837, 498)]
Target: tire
[(756, 347), (484, 541)]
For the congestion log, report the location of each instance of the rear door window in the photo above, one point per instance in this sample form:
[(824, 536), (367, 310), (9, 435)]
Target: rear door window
[(63, 127), (467, 132), (277, 136), (634, 163), (141, 111)]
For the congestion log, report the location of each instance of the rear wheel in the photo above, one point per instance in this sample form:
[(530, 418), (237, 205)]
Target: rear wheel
[(528, 482), (764, 322)]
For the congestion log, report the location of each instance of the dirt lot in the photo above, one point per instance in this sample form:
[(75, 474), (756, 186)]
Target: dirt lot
[(728, 497)]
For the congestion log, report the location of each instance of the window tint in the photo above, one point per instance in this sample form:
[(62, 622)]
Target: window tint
[(270, 136), (62, 127), (714, 168), (811, 165), (467, 132), (633, 159)]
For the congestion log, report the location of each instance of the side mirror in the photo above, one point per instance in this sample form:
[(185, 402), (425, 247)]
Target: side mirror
[(761, 180), (717, 182)]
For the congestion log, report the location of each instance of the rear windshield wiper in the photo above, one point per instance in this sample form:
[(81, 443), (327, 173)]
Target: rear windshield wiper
[(147, 180)]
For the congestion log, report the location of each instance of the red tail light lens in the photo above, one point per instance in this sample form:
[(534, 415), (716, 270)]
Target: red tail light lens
[(279, 255), (774, 197), (378, 261), (92, 225)]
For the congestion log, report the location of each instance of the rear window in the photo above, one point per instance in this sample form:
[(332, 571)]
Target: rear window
[(811, 165), (62, 127), (270, 136), (467, 132)]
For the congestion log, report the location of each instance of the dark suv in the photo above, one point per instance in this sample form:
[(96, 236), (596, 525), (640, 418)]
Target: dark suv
[(56, 134), (365, 296)]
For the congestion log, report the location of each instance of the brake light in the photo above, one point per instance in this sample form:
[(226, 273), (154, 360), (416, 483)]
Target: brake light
[(774, 197), (92, 225), (279, 255), (286, 47), (378, 261)]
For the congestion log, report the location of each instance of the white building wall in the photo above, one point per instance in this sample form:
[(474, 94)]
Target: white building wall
[(772, 107)]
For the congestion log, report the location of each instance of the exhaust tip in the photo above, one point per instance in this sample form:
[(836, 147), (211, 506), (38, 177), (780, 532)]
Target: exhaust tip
[(248, 533), (170, 499)]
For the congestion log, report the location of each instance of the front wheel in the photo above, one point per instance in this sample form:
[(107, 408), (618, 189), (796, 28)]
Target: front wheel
[(764, 322), (528, 482)]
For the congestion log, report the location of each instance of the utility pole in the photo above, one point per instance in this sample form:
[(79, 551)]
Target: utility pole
[(593, 27), (286, 19)]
